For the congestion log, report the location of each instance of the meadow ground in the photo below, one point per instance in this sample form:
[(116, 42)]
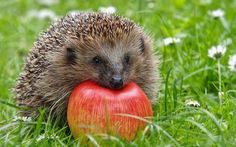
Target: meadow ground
[(197, 100)]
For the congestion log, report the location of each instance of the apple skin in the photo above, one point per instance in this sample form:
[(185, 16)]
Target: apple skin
[(94, 109)]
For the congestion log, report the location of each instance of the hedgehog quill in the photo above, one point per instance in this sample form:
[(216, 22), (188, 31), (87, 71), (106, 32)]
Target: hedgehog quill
[(107, 49)]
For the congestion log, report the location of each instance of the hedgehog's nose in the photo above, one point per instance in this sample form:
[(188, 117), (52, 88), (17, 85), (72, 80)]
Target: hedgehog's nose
[(116, 82)]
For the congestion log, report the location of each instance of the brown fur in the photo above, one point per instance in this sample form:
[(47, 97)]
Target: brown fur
[(48, 79)]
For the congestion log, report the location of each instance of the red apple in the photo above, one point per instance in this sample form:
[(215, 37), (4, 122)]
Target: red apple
[(95, 109)]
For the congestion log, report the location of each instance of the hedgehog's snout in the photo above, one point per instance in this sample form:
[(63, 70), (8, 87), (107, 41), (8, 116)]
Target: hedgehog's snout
[(116, 82)]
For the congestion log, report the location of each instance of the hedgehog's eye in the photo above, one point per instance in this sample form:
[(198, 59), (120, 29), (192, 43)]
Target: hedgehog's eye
[(71, 55), (127, 59), (97, 60)]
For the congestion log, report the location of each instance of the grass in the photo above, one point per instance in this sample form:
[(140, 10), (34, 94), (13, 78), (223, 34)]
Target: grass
[(186, 69)]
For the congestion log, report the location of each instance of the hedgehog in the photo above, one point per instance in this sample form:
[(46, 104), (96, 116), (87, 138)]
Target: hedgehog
[(108, 49)]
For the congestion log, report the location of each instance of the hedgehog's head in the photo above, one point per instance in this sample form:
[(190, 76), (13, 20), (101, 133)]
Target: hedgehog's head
[(108, 50)]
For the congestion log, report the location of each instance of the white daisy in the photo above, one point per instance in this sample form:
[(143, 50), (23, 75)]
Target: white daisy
[(232, 63), (192, 103), (48, 2), (171, 40), (219, 13), (109, 10), (216, 52), (42, 14)]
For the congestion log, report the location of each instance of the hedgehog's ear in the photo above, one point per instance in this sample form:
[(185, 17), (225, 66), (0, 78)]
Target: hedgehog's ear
[(143, 45), (71, 55)]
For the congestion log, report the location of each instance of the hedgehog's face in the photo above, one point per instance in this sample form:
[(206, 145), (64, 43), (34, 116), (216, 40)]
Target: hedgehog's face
[(110, 63)]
